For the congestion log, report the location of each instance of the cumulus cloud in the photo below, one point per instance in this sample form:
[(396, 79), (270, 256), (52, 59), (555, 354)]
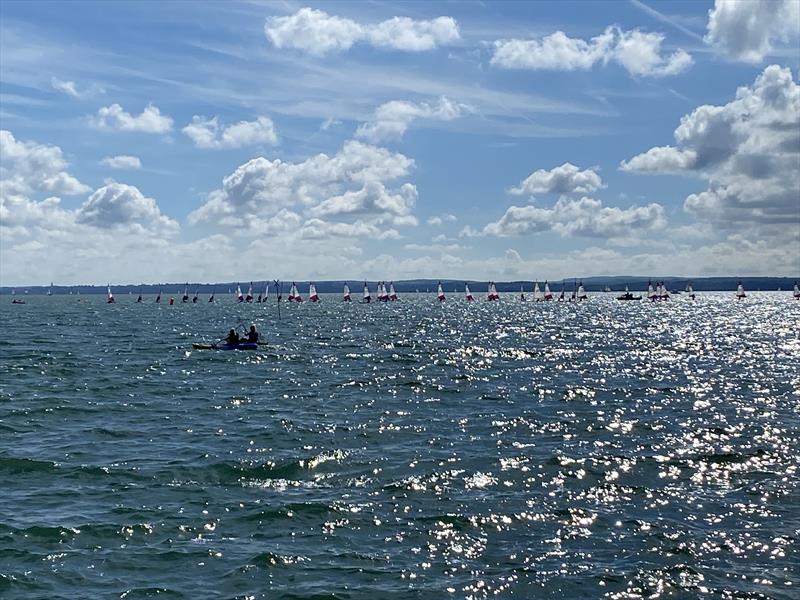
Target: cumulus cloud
[(565, 179), (316, 32), (392, 119), (447, 217), (122, 161), (149, 121), (746, 31), (28, 167), (585, 217), (348, 188), (638, 52), (748, 149), (117, 205), (208, 133)]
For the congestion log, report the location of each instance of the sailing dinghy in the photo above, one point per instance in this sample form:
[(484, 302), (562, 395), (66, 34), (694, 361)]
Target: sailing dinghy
[(312, 293), (367, 298), (492, 294), (294, 295), (346, 293), (392, 292), (628, 296), (440, 293), (468, 294), (110, 298), (740, 295), (537, 293), (581, 293), (690, 291), (796, 292), (249, 297), (522, 294), (185, 297), (548, 295)]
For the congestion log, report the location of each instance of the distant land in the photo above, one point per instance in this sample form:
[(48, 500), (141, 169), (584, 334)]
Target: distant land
[(591, 284)]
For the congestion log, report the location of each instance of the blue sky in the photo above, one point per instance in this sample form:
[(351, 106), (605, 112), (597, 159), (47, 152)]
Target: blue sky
[(206, 141)]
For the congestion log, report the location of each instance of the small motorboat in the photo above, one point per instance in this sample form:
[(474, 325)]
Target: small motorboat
[(239, 346), (628, 296)]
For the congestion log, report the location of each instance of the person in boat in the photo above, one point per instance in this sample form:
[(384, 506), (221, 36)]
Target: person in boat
[(233, 338), (252, 335)]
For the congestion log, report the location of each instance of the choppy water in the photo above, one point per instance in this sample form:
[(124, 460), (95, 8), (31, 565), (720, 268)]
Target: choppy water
[(410, 450)]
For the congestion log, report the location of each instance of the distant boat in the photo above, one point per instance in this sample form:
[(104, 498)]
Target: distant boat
[(581, 293), (110, 297), (607, 289), (663, 292), (522, 294), (537, 293), (392, 292), (346, 293), (312, 293), (690, 291), (440, 293), (50, 289), (740, 295), (651, 293), (796, 292), (548, 295), (491, 294), (211, 297), (266, 292), (628, 296), (196, 296), (294, 295), (185, 297), (366, 298), (468, 294), (139, 297), (158, 298), (239, 295), (249, 297), (383, 295)]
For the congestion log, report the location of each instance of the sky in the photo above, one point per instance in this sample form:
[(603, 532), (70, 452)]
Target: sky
[(143, 142)]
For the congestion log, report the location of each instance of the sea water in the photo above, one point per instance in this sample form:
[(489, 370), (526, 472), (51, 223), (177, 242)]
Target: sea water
[(404, 450)]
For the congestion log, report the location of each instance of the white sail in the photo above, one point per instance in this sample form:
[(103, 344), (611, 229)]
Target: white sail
[(50, 289), (537, 293), (548, 295), (440, 293), (740, 291), (492, 292), (312, 293), (664, 291), (651, 294), (346, 294), (467, 293), (294, 295), (367, 297), (796, 291), (239, 295), (581, 292), (110, 299), (690, 290), (392, 292), (522, 293), (266, 292)]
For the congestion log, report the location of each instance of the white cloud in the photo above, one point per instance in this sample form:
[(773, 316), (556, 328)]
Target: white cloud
[(70, 88), (746, 30), (661, 159), (637, 51), (207, 133), (149, 121), (585, 217), (392, 119), (748, 149), (117, 205), (565, 179), (348, 189), (316, 32), (28, 167), (123, 161), (445, 218)]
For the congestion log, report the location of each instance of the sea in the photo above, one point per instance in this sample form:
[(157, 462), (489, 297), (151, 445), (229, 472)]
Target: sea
[(410, 449)]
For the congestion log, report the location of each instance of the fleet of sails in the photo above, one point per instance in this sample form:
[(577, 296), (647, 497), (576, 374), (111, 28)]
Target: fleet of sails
[(656, 292)]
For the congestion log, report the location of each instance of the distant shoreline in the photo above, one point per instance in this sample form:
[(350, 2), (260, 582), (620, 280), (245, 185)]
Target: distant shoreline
[(591, 284)]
